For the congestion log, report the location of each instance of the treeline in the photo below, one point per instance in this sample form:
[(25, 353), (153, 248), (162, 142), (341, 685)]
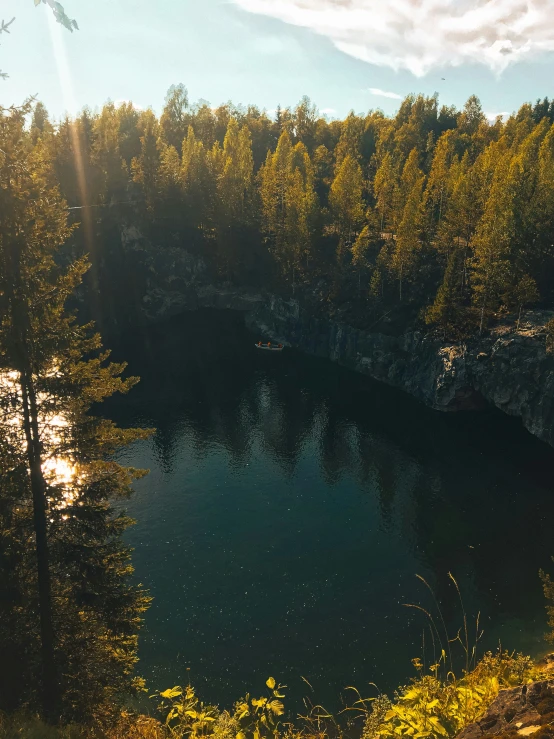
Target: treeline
[(433, 214)]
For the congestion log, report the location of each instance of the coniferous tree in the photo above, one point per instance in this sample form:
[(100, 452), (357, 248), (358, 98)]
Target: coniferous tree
[(346, 203), (384, 188), (408, 238), (75, 606), (145, 167), (273, 191), (439, 184), (491, 243), (301, 204)]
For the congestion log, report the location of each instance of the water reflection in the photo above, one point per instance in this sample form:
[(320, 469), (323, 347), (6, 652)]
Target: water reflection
[(291, 503)]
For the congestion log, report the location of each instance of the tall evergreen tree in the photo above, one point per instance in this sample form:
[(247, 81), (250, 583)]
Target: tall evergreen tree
[(75, 603), (145, 167), (408, 239), (491, 243), (346, 203)]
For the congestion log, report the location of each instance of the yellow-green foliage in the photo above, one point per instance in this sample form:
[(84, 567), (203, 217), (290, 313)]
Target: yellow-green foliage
[(435, 707), (252, 718)]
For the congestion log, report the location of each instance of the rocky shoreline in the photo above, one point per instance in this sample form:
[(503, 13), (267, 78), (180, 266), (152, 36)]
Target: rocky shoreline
[(509, 368)]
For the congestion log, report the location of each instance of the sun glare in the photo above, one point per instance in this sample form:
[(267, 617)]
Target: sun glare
[(59, 472), (58, 40)]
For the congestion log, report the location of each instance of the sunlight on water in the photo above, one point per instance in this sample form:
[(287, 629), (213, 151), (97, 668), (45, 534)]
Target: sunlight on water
[(60, 472)]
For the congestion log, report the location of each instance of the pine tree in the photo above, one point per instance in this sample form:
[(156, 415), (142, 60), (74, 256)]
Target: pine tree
[(301, 205), (235, 178), (305, 117), (346, 203), (323, 171), (350, 140), (169, 171), (40, 124), (106, 156), (385, 185), (408, 240), (233, 167), (274, 179), (289, 204), (129, 134), (76, 608), (197, 181), (525, 292), (439, 183), (145, 167), (446, 310), (490, 272)]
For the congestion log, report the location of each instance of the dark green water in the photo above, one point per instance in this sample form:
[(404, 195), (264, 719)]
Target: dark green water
[(291, 503)]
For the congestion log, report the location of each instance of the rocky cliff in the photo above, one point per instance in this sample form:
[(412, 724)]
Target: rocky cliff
[(172, 280), (509, 368), (525, 711)]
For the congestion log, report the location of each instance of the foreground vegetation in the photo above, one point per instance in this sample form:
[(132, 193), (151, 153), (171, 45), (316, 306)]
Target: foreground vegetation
[(435, 704)]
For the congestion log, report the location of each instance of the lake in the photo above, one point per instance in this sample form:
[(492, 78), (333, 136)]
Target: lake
[(291, 503)]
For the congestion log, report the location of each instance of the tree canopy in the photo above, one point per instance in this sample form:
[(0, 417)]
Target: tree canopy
[(404, 208)]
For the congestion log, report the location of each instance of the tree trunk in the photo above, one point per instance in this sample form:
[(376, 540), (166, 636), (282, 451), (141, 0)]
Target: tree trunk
[(482, 316), (50, 685), (401, 267), (22, 362)]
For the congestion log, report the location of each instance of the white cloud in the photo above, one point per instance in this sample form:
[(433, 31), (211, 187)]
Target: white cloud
[(420, 35), (493, 116), (384, 93), (328, 111)]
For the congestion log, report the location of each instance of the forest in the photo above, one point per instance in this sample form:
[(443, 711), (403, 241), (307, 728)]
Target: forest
[(434, 216)]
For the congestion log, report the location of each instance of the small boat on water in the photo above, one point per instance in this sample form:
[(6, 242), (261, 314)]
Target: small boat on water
[(269, 347)]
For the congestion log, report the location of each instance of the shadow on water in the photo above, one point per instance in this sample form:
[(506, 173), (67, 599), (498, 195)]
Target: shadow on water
[(291, 502)]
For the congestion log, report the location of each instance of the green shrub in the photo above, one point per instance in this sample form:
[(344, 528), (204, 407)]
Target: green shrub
[(433, 707), (252, 718)]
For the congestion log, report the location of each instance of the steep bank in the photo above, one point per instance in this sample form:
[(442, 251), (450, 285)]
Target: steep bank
[(509, 368)]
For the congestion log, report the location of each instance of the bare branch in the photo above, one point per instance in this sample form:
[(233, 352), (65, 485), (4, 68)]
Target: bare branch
[(4, 27)]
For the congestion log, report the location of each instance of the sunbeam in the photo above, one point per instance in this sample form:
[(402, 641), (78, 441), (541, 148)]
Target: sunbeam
[(66, 84)]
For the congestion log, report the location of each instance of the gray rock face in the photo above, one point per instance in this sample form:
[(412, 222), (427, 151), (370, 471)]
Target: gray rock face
[(520, 711), (174, 280), (510, 368)]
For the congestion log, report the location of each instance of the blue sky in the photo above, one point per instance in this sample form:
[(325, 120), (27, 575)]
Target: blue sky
[(339, 52)]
